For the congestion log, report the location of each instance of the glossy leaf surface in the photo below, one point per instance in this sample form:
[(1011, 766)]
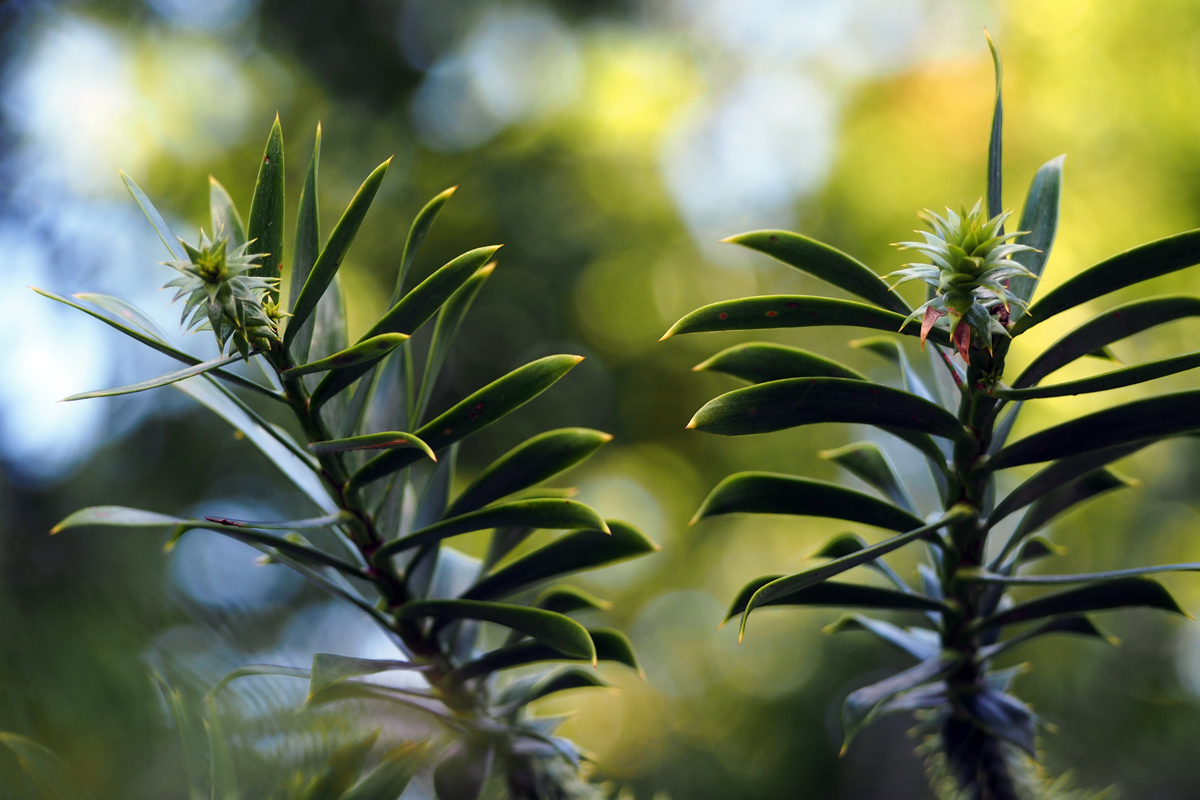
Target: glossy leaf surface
[(1122, 593), (759, 362), (387, 440), (832, 593), (365, 352), (1050, 505), (610, 646), (1040, 218), (416, 235), (265, 223), (161, 380), (555, 630)]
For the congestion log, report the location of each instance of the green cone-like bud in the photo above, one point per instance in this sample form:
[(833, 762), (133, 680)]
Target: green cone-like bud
[(969, 274), (222, 298)]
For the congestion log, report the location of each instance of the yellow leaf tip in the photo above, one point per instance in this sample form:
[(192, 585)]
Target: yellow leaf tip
[(691, 424), (667, 335), (55, 529), (577, 359), (607, 437)]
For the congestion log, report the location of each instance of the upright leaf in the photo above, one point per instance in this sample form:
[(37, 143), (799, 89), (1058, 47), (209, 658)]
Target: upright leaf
[(156, 219), (334, 252), (792, 402), (389, 780), (224, 214), (265, 226), (449, 320), (822, 261), (308, 247), (463, 769), (995, 143), (416, 234), (1040, 218)]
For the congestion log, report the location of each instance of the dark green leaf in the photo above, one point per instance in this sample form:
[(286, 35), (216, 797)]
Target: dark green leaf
[(161, 380), (265, 225), (771, 493), (155, 343), (792, 402), (995, 141), (1052, 580), (831, 593), (52, 776), (334, 252), (810, 577), (308, 247), (610, 646), (1111, 326), (1109, 380), (435, 496), (1142, 263), (869, 463), (581, 550), (389, 780), (863, 705), (556, 630), (1035, 548), (1111, 594), (1053, 503), (920, 643), (368, 351), (1149, 419), (1004, 716), (1072, 623), (890, 348), (846, 543), (329, 669), (565, 680), (156, 219), (1040, 218), (759, 362), (463, 769), (568, 599), (795, 311), (417, 306), (528, 464), (341, 770), (502, 543), (824, 262), (387, 440), (550, 514), (444, 331), (476, 412), (226, 222), (416, 234)]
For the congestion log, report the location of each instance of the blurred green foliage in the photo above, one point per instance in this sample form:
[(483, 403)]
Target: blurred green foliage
[(598, 261)]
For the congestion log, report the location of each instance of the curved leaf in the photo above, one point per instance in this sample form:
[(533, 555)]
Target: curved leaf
[(1040, 218), (334, 252), (822, 261), (329, 669), (792, 402), (920, 643), (831, 593), (367, 351), (567, 599), (562, 681), (52, 776), (153, 341), (417, 306), (265, 223), (476, 412), (771, 493), (1123, 593), (1004, 716), (340, 770), (869, 463), (759, 362), (1142, 263), (888, 347), (549, 514), (118, 516), (388, 440), (1113, 325), (1053, 503), (610, 646), (528, 464), (1079, 624), (810, 577), (574, 552), (1116, 379), (416, 235), (226, 221), (161, 380), (555, 630), (156, 219), (846, 543), (252, 671), (795, 311), (1149, 419), (389, 780)]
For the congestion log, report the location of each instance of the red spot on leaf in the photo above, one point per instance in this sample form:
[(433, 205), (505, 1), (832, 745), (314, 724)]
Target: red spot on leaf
[(772, 313), (774, 238), (722, 315), (792, 305), (266, 159)]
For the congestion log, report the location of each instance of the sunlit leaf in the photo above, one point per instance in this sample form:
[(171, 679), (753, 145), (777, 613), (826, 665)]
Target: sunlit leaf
[(416, 235), (334, 252), (573, 552), (792, 402), (444, 331), (156, 219), (759, 362), (476, 412), (368, 351), (831, 593), (995, 141), (265, 223), (822, 261), (417, 306), (1149, 419), (308, 247), (1116, 379), (161, 380), (795, 311), (528, 464), (552, 514), (556, 630), (771, 493), (128, 311)]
